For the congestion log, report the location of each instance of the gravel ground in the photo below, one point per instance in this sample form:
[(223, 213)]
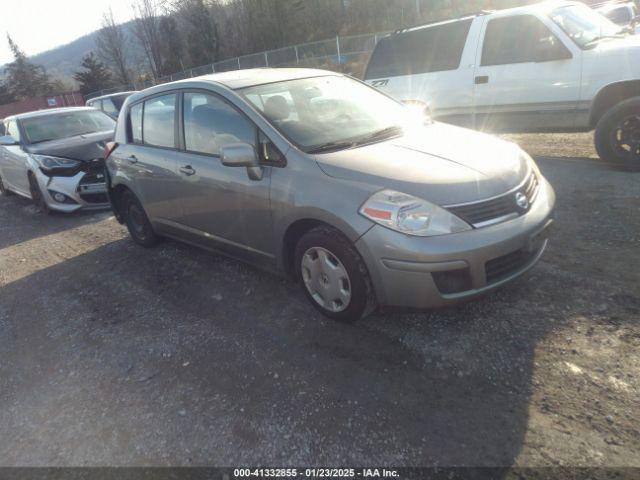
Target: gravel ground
[(115, 355)]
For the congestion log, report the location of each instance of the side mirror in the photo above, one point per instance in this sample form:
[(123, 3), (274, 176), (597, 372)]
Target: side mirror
[(242, 155), (8, 141)]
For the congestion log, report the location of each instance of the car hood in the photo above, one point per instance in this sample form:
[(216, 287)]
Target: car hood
[(440, 163), (83, 147)]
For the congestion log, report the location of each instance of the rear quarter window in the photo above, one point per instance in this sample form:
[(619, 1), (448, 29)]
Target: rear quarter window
[(430, 49), (135, 122)]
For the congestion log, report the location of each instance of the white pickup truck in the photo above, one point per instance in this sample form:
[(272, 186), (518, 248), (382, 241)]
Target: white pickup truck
[(548, 67)]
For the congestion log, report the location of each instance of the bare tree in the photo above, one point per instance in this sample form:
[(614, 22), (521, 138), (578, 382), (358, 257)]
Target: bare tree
[(147, 32), (111, 44)]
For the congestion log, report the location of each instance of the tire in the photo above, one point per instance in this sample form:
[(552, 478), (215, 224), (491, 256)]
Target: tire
[(617, 137), (137, 221), (3, 190), (347, 298), (36, 195)]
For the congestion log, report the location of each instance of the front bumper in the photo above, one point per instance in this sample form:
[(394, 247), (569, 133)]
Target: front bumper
[(81, 191), (428, 272)]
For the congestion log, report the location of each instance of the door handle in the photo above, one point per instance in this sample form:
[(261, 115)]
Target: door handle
[(482, 79), (187, 170), (132, 159)]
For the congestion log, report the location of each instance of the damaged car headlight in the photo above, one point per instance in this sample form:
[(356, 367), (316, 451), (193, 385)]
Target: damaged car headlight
[(49, 164), (410, 215)]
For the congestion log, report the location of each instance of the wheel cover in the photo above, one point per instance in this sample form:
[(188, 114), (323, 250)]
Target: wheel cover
[(137, 219), (326, 279), (625, 138)]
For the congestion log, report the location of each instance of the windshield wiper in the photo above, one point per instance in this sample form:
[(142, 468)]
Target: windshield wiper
[(380, 134), (330, 147)]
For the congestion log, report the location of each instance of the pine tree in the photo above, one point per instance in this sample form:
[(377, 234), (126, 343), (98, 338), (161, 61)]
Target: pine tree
[(95, 76), (24, 79)]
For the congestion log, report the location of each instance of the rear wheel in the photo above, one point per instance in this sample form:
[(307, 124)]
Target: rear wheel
[(617, 136), (137, 221), (333, 275), (3, 189), (37, 197)]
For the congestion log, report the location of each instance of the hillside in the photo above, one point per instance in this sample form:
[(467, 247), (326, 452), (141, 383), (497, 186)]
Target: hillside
[(61, 62)]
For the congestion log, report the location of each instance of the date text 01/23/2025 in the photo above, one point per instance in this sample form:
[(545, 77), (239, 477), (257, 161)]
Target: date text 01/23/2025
[(314, 473)]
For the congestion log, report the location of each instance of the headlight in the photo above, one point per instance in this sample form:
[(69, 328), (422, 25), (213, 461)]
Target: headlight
[(530, 162), (49, 163), (413, 216)]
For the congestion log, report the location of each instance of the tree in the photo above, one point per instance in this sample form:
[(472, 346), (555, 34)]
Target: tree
[(172, 50), (146, 30), (94, 77), (201, 32), (5, 95), (23, 78), (111, 44)]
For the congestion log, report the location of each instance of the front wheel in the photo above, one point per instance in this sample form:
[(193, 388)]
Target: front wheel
[(617, 137), (137, 221), (36, 195), (333, 275), (3, 189)]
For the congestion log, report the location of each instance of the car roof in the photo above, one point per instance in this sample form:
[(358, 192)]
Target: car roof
[(47, 111), (111, 95), (238, 79), (543, 6)]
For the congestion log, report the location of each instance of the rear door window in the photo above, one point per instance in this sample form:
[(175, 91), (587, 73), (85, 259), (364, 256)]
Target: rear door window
[(158, 124), (430, 49), (109, 107), (211, 123)]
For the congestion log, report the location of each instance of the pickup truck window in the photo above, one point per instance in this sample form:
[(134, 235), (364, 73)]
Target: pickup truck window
[(520, 39), (435, 48)]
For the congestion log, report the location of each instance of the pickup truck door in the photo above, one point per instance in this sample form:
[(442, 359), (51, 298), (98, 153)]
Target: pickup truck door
[(527, 78)]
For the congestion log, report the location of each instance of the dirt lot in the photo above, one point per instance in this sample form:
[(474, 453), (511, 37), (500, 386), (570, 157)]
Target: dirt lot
[(112, 354)]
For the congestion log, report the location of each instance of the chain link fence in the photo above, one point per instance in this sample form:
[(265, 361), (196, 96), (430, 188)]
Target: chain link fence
[(342, 54)]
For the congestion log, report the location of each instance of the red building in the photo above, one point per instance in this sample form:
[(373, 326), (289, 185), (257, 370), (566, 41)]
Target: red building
[(68, 99)]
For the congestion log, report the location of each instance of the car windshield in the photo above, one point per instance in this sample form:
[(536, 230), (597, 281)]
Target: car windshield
[(63, 125), (584, 25), (329, 113)]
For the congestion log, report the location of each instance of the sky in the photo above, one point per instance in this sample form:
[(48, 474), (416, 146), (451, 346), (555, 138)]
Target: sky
[(40, 25)]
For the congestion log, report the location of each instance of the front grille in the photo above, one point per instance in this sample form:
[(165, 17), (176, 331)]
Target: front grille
[(94, 172), (485, 212), (506, 265)]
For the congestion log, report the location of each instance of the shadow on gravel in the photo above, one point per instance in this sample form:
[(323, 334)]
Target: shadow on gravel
[(16, 210), (176, 356)]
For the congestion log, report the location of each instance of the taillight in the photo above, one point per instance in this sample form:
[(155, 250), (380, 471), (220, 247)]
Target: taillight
[(109, 148)]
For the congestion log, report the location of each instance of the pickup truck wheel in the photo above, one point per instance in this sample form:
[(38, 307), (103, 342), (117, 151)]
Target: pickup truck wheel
[(3, 190), (137, 222), (617, 137), (333, 275)]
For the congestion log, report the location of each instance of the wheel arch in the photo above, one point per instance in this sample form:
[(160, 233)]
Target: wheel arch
[(115, 193), (296, 228), (611, 95)]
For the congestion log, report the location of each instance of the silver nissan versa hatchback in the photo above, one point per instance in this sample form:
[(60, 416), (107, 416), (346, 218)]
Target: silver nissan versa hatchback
[(318, 175)]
